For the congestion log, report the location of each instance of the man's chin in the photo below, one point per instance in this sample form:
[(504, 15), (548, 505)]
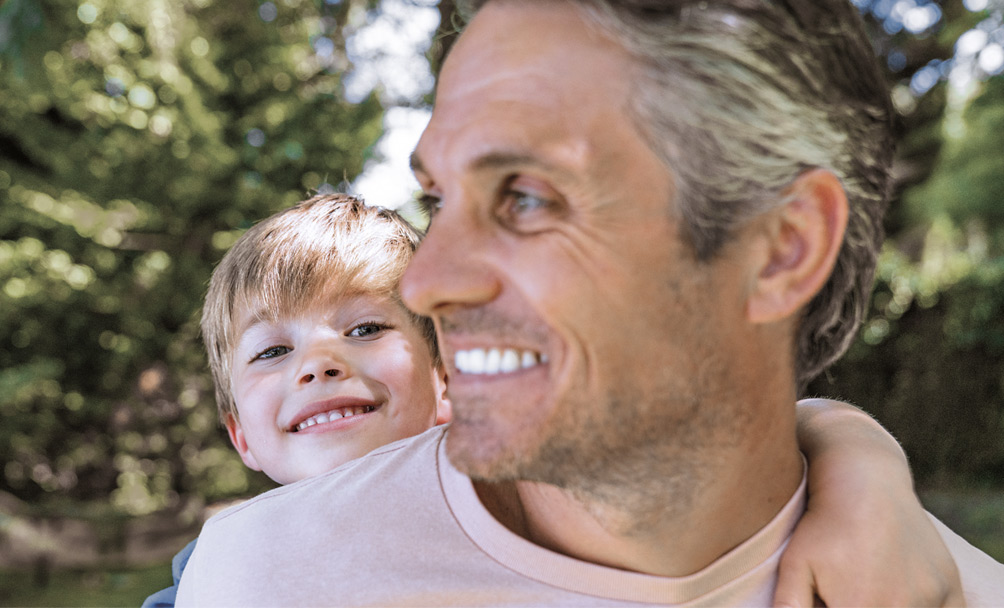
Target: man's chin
[(480, 454)]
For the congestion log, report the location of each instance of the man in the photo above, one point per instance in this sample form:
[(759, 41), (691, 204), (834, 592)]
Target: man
[(651, 224)]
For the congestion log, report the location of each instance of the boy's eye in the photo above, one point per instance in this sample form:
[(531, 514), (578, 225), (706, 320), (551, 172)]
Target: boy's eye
[(430, 204), (272, 352), (367, 330)]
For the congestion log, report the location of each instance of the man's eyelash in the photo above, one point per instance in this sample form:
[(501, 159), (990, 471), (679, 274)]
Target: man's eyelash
[(515, 197)]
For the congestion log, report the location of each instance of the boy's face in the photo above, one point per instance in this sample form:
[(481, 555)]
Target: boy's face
[(322, 387)]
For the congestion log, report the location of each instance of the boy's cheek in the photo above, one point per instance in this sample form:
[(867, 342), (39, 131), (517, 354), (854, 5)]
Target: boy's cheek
[(247, 383), (239, 441)]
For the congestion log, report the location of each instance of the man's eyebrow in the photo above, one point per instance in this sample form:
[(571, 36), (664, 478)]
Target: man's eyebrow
[(495, 160), (503, 160)]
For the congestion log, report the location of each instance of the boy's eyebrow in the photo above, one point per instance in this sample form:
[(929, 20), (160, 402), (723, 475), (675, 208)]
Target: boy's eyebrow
[(242, 331), (252, 319), (248, 324), (415, 162)]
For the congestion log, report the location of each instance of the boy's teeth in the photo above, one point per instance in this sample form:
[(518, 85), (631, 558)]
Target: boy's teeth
[(495, 360), (334, 415)]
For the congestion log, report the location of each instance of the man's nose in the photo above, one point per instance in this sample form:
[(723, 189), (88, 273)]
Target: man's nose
[(451, 267), (321, 362)]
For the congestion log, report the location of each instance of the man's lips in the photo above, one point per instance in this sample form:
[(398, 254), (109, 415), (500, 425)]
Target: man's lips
[(328, 410), (484, 361)]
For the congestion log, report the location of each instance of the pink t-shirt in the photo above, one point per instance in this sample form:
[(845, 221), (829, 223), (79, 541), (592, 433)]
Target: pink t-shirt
[(402, 527)]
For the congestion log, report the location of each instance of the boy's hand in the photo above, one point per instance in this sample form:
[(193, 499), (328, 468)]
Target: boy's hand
[(864, 540)]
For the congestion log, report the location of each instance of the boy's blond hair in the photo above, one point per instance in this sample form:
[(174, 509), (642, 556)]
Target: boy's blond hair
[(327, 244)]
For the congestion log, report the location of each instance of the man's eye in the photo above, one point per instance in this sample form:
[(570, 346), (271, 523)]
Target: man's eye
[(367, 330), (526, 210), (524, 202), (272, 352)]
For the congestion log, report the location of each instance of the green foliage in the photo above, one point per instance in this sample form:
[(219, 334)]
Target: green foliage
[(930, 365), (974, 515), (117, 587), (21, 27), (137, 140), (968, 178), (929, 362)]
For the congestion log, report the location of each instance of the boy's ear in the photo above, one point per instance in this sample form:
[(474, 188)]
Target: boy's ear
[(444, 410), (803, 240), (237, 438)]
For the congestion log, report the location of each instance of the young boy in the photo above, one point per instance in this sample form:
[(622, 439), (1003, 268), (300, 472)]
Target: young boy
[(317, 362)]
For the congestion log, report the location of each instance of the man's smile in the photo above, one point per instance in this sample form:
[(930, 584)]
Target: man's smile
[(496, 360)]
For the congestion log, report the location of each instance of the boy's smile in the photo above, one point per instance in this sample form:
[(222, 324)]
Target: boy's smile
[(331, 411), (329, 384)]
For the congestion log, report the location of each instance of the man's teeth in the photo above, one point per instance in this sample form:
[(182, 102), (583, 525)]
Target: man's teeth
[(495, 360), (344, 412)]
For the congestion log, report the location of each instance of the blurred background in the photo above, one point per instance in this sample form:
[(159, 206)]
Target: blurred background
[(139, 138)]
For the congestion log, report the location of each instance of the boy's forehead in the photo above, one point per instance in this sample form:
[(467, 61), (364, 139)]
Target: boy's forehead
[(253, 311)]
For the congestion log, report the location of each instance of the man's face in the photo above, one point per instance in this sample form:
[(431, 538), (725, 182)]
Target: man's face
[(582, 337)]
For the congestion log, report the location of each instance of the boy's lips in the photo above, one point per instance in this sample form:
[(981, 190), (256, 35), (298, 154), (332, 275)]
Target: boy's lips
[(327, 410)]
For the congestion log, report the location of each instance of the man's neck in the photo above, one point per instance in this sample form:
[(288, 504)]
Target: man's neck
[(747, 492)]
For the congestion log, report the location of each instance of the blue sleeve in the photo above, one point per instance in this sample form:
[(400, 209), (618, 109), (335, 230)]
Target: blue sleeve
[(165, 597)]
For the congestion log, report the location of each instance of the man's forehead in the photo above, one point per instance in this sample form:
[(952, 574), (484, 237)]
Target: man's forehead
[(541, 42), (519, 73)]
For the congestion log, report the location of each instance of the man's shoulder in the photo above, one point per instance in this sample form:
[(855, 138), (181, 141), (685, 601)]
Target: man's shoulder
[(403, 464), (982, 576)]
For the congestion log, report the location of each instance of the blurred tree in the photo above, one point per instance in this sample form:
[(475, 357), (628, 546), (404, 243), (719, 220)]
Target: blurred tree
[(137, 140), (929, 362)]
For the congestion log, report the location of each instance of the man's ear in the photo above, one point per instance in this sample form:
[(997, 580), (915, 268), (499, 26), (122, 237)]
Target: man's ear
[(804, 238), (444, 409), (237, 438)]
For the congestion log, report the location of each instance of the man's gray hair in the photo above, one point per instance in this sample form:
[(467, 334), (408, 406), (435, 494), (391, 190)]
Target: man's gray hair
[(739, 97)]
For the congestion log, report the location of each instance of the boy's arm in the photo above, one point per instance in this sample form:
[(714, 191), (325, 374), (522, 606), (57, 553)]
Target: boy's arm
[(864, 540), (165, 598)]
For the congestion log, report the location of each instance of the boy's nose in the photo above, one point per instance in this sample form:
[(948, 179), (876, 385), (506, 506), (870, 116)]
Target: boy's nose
[(321, 363), (309, 376)]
